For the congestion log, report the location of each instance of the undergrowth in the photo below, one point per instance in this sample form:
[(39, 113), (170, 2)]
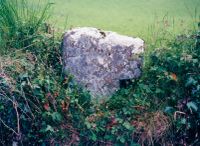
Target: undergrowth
[(40, 105)]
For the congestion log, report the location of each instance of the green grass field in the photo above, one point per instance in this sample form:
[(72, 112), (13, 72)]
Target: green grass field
[(132, 17)]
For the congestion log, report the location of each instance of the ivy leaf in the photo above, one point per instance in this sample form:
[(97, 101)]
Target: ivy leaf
[(192, 105), (169, 110), (46, 106), (88, 124), (23, 76), (36, 90), (119, 120), (56, 116), (94, 137), (1, 107), (122, 140), (183, 121), (108, 137), (190, 81), (127, 125), (158, 91), (49, 128)]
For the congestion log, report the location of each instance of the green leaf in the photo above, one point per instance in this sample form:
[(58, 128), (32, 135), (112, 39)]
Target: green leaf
[(23, 76), (192, 105), (56, 116), (127, 125), (169, 110), (183, 121), (108, 137), (119, 120), (158, 91), (1, 107), (190, 81), (88, 125), (94, 137), (122, 140), (49, 128)]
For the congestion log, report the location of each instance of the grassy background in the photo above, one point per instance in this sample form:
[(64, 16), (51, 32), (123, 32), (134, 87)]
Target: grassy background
[(132, 17)]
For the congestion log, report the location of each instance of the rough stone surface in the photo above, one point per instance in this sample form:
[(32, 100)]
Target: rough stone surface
[(100, 59)]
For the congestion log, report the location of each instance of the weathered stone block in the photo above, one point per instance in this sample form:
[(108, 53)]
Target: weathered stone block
[(100, 59)]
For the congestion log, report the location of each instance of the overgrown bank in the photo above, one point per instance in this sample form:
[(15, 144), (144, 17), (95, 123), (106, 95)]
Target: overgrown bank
[(39, 105)]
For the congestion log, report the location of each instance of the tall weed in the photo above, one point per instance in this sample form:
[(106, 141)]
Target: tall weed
[(19, 23)]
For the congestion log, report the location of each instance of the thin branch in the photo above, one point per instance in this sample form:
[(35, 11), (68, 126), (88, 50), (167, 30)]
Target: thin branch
[(18, 123), (8, 127), (178, 112)]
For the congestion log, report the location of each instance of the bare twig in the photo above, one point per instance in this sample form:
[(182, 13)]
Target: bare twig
[(9, 128), (178, 112), (24, 96), (18, 123)]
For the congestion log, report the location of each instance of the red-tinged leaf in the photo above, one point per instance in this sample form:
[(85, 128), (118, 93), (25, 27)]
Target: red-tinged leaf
[(174, 76), (64, 106), (56, 94), (46, 106)]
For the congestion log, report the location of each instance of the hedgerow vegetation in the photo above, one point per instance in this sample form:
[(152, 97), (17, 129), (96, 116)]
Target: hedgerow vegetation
[(40, 105)]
